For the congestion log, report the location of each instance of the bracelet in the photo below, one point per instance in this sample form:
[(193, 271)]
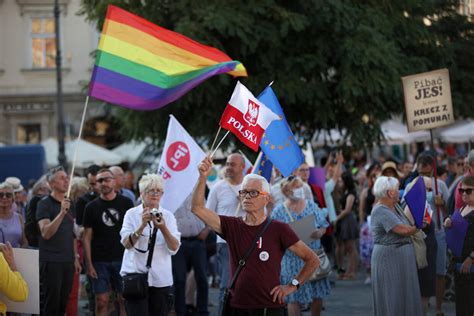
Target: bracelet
[(136, 235)]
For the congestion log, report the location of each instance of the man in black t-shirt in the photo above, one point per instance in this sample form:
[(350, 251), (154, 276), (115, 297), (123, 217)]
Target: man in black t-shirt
[(57, 247), (103, 218), (92, 194)]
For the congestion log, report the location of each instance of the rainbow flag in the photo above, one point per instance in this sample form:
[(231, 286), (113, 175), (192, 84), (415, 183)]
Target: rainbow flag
[(142, 66)]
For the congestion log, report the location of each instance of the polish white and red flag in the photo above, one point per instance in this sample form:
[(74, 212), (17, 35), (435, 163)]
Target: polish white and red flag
[(246, 117)]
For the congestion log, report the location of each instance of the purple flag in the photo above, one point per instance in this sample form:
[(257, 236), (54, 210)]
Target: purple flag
[(317, 176), (457, 233), (416, 199)]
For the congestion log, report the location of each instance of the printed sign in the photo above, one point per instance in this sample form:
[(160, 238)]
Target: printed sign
[(428, 101)]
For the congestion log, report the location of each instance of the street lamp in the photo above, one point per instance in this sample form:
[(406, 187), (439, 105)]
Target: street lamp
[(59, 92)]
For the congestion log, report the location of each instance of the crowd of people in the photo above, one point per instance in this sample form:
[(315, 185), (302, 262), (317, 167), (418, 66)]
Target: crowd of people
[(141, 259)]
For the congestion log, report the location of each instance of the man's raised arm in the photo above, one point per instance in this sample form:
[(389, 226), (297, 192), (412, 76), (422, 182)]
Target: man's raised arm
[(198, 207)]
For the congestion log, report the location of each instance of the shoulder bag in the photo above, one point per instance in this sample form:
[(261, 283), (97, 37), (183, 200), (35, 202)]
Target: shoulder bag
[(135, 285), (242, 262), (418, 240), (324, 268)]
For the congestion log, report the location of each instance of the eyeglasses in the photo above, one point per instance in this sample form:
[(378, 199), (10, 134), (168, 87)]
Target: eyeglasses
[(7, 195), (303, 170), (467, 191), (429, 189), (106, 179), (460, 164), (251, 193), (155, 192)]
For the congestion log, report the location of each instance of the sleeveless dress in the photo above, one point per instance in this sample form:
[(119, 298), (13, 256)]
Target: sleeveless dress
[(292, 264), (10, 230)]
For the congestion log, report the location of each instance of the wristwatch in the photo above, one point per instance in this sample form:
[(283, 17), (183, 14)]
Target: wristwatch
[(296, 283)]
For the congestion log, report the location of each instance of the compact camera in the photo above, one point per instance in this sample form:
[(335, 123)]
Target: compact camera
[(156, 213)]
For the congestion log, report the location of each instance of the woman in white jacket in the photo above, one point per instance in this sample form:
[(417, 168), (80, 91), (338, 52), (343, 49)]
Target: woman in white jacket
[(138, 226)]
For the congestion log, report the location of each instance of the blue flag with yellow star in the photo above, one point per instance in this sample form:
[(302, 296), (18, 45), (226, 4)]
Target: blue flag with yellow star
[(278, 142), (264, 167)]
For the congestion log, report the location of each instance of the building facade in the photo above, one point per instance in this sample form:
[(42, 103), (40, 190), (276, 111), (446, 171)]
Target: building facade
[(28, 104)]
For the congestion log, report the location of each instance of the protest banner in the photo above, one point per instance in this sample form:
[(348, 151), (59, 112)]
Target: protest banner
[(27, 264), (428, 101)]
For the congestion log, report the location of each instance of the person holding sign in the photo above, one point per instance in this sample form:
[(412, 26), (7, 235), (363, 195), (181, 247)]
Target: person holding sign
[(395, 288), (460, 233), (258, 245), (12, 284), (296, 207)]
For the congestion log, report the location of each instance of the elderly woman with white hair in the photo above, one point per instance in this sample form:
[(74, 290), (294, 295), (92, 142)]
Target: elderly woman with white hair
[(139, 226), (395, 288)]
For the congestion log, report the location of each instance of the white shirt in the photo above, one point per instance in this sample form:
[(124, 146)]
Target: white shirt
[(223, 199), (160, 273)]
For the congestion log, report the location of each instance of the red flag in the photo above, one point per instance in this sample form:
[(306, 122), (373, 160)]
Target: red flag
[(246, 117)]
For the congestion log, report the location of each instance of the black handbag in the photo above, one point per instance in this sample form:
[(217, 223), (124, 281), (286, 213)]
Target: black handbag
[(135, 285), (226, 309)]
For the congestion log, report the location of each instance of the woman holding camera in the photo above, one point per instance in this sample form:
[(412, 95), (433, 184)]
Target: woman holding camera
[(139, 226)]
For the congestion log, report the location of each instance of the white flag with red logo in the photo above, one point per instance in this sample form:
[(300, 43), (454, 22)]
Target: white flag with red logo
[(178, 165), (246, 117), (428, 213)]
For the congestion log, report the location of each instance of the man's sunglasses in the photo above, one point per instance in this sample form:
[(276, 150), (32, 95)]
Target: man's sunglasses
[(467, 191), (251, 193), (7, 195), (106, 179)]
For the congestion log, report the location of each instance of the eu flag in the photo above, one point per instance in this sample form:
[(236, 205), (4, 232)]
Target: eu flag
[(278, 142), (264, 167)]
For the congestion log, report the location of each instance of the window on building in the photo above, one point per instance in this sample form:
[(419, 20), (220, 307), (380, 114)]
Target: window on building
[(28, 134), (43, 43)]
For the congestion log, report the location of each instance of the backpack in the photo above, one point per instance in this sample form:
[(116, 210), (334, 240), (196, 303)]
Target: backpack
[(32, 231)]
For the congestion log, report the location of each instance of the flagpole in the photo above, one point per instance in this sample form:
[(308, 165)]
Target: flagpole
[(215, 138), (257, 161), (75, 149), (217, 147)]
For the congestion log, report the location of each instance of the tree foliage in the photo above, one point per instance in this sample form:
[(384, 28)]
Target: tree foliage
[(336, 64)]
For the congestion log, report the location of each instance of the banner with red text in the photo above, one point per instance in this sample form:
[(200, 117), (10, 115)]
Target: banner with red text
[(178, 165)]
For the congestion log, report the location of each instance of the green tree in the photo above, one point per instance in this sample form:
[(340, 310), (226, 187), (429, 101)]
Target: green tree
[(336, 64)]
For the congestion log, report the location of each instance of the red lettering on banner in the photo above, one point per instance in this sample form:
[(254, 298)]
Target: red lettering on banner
[(177, 156)]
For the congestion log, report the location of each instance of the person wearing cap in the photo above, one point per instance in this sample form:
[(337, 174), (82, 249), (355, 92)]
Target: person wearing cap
[(19, 199), (389, 169)]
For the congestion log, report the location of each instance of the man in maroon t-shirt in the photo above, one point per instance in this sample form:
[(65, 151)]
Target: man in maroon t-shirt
[(257, 290)]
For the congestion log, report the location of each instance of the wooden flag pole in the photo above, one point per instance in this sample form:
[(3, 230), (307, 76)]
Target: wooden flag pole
[(215, 138), (217, 147), (75, 148)]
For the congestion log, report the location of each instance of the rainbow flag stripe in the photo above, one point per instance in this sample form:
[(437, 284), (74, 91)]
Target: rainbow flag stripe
[(142, 66)]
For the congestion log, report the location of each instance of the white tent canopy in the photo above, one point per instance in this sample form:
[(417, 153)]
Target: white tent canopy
[(396, 133), (331, 137), (461, 133), (87, 153), (130, 151)]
